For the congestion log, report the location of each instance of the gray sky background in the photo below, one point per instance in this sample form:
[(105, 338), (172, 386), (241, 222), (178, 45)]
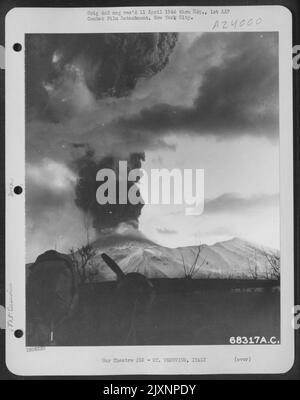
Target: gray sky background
[(206, 101)]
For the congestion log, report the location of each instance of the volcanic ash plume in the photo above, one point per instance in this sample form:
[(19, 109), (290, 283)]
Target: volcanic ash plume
[(76, 86), (107, 215), (108, 65)]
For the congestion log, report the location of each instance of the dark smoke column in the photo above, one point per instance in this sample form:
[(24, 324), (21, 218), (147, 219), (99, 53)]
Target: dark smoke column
[(108, 215), (114, 64), (109, 65)]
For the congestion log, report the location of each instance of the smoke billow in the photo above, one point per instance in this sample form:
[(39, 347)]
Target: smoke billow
[(107, 215), (68, 77), (108, 65), (95, 99), (237, 97)]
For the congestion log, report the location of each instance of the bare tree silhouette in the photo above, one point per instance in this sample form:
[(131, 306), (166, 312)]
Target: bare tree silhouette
[(82, 258), (191, 271), (253, 267), (273, 262)]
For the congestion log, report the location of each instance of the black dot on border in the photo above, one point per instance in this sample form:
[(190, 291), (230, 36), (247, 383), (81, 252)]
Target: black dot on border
[(18, 333), (18, 189), (17, 47)]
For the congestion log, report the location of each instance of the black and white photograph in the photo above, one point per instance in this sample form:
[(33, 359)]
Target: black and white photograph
[(148, 274)]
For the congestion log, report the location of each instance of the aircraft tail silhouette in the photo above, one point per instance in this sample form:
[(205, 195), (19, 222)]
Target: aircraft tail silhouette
[(113, 266)]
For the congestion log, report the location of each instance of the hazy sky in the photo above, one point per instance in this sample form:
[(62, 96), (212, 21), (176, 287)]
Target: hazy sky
[(206, 101)]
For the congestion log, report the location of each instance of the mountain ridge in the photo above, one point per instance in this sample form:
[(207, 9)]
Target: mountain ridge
[(234, 258)]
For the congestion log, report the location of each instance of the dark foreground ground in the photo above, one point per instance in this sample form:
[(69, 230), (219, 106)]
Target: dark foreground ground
[(180, 313)]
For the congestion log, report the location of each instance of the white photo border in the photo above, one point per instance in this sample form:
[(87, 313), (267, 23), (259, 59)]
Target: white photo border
[(266, 359)]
